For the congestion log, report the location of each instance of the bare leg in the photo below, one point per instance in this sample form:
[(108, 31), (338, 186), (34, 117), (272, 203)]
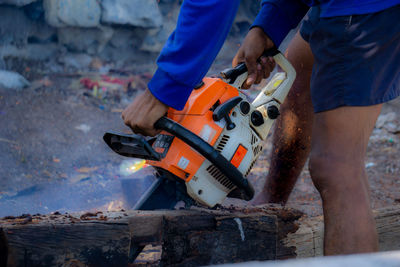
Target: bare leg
[(292, 135), (339, 144)]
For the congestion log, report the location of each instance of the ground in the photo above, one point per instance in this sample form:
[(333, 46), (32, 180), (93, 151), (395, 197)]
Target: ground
[(53, 157)]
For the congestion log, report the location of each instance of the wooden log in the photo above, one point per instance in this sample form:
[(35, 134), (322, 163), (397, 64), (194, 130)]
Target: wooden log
[(211, 240), (3, 249), (388, 226), (55, 240), (307, 241), (188, 237), (222, 243)]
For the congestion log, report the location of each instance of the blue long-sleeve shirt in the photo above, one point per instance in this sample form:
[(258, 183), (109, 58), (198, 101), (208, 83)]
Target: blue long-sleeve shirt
[(203, 26)]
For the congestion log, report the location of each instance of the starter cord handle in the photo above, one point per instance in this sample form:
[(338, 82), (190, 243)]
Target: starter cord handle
[(207, 151)]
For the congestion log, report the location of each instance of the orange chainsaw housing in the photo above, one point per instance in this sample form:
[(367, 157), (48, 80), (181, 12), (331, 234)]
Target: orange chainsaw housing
[(181, 160)]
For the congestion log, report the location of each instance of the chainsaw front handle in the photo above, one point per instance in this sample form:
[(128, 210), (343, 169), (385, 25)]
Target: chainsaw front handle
[(207, 151), (279, 93), (237, 75)]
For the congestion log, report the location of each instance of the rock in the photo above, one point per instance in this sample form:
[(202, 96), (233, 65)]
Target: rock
[(91, 40), (78, 61), (2, 63), (17, 2), (83, 127), (21, 36), (370, 164), (120, 56), (382, 135), (247, 11), (17, 29), (79, 13), (12, 80), (14, 26), (140, 13), (245, 16), (392, 127), (34, 11), (127, 37), (156, 38), (38, 52), (389, 122), (385, 118)]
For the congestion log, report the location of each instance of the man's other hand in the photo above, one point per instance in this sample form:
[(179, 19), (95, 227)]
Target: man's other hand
[(259, 67), (143, 112)]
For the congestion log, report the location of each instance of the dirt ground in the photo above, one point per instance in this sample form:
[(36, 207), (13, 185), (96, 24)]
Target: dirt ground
[(53, 157)]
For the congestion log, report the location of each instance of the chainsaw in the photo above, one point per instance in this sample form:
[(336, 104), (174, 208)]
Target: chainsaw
[(205, 152)]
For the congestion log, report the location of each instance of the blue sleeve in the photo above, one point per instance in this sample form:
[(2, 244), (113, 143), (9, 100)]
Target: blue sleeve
[(202, 28), (278, 17)]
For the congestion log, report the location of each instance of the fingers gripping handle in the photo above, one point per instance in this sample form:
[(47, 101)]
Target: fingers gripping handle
[(207, 151), (237, 75)]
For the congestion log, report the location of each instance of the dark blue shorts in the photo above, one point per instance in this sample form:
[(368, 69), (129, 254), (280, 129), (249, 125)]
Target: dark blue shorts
[(357, 58)]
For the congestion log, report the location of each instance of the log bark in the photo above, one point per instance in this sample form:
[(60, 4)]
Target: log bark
[(188, 237)]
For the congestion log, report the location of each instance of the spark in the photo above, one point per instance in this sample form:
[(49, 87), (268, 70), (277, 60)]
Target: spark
[(129, 167)]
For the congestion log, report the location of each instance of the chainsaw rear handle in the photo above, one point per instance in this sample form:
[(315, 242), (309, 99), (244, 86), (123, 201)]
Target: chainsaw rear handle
[(232, 74), (207, 151)]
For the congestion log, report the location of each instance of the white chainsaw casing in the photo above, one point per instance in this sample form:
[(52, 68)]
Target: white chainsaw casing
[(209, 186)]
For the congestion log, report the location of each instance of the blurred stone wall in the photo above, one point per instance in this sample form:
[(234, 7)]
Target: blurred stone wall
[(72, 32)]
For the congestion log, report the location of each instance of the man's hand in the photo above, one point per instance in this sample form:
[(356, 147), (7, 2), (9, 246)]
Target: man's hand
[(143, 112), (258, 66)]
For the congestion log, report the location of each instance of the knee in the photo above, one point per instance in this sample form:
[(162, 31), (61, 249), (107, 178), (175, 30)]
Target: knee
[(319, 172), (333, 175)]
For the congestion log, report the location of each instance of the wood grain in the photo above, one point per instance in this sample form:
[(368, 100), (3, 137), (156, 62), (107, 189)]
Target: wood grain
[(307, 241)]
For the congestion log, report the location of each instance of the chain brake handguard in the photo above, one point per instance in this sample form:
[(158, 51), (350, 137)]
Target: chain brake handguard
[(131, 145)]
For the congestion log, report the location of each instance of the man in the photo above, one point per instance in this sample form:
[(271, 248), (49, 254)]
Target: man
[(355, 57)]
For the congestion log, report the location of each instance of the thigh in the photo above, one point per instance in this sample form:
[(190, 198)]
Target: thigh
[(299, 53), (297, 111), (300, 56)]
